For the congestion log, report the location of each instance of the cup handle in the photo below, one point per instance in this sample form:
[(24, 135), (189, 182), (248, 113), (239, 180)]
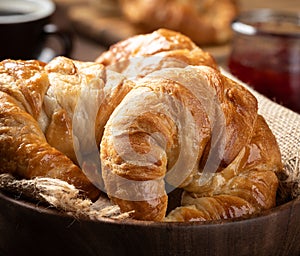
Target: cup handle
[(64, 39)]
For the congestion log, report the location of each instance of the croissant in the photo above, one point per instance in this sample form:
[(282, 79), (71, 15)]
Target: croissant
[(165, 48), (24, 149), (151, 114), (185, 125), (204, 21), (38, 102)]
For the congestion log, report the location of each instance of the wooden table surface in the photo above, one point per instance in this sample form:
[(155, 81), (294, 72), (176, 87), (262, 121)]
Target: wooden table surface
[(87, 49)]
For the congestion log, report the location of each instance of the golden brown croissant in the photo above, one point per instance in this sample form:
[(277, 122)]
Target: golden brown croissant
[(165, 48), (38, 102), (204, 21), (24, 150), (188, 127)]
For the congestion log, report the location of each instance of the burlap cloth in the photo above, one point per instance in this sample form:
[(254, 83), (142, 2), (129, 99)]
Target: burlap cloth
[(284, 123)]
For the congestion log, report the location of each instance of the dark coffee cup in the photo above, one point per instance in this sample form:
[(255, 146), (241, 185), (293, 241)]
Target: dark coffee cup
[(25, 26)]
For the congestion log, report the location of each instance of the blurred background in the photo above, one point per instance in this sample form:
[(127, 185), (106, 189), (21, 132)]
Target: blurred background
[(95, 26)]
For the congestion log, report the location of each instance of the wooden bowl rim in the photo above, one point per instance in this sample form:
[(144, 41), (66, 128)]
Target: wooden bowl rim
[(289, 206)]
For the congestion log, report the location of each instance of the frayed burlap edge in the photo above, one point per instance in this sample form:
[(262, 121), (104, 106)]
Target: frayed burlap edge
[(63, 196)]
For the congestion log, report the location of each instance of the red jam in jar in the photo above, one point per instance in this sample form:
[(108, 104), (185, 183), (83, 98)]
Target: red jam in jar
[(266, 54)]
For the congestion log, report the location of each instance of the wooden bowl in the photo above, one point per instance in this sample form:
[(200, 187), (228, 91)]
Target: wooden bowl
[(29, 229)]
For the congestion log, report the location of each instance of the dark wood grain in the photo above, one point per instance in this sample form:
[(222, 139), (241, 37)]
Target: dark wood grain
[(27, 229)]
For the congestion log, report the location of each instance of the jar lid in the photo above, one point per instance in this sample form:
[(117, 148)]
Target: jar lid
[(268, 22)]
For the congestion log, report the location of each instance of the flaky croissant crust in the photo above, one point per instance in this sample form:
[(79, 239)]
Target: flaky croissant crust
[(163, 117), (245, 181)]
